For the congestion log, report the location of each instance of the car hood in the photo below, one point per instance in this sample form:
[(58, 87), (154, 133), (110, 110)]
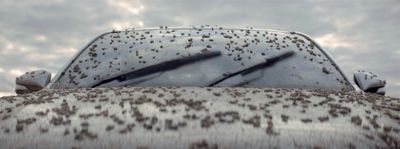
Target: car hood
[(198, 117)]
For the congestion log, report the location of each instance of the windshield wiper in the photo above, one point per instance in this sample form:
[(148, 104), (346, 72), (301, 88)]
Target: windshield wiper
[(163, 66), (244, 71)]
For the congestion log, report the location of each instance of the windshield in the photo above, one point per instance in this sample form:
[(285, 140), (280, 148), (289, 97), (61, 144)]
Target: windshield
[(246, 70), (160, 67), (121, 52)]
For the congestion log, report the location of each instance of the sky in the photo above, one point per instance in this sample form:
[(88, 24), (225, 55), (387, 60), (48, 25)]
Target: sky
[(44, 34)]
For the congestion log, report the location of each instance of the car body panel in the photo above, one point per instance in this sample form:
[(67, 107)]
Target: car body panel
[(199, 117), (120, 52)]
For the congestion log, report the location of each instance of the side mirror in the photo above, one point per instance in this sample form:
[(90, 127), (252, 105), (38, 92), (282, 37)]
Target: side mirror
[(32, 81), (369, 82)]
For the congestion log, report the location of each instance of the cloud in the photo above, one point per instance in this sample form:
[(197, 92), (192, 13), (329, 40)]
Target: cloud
[(126, 6), (397, 52), (332, 40), (44, 34)]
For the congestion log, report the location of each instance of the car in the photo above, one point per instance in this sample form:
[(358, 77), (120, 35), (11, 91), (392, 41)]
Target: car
[(200, 87)]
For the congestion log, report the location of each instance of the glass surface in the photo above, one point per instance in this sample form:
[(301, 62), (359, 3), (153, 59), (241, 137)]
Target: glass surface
[(120, 52)]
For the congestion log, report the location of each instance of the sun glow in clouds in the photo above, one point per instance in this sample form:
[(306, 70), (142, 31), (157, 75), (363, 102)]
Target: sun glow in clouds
[(6, 94), (140, 23), (332, 40), (120, 25), (126, 24), (16, 72)]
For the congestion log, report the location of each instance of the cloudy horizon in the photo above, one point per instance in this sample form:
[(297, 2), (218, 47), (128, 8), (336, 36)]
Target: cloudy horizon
[(45, 34)]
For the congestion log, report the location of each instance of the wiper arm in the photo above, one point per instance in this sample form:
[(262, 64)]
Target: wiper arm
[(244, 71), (163, 66)]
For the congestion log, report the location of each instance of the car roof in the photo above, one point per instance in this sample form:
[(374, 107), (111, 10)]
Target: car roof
[(152, 45)]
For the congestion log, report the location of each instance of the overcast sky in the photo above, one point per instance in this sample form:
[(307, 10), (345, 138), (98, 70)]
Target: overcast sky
[(44, 34)]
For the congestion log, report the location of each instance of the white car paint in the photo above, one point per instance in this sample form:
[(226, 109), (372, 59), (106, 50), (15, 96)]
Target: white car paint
[(193, 117)]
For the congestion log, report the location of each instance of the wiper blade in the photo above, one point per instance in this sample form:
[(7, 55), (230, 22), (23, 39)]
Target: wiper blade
[(163, 66), (244, 71)]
